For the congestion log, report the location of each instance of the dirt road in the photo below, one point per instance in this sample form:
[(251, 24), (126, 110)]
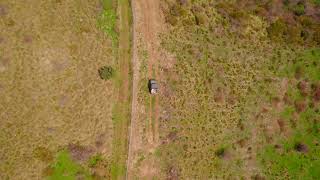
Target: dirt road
[(146, 26)]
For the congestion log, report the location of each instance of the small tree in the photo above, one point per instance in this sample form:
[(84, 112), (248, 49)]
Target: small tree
[(106, 72)]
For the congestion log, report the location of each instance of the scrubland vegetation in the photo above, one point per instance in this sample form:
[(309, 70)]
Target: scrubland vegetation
[(242, 100)]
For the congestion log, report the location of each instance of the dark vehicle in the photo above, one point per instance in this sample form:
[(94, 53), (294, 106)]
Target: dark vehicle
[(153, 86)]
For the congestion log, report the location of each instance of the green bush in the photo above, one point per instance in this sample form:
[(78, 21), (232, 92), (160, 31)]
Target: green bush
[(94, 160), (220, 152), (106, 72), (299, 9)]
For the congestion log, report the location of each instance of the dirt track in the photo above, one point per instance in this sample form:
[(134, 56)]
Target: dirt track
[(146, 26)]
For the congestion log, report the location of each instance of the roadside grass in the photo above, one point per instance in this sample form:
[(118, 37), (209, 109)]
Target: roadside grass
[(143, 94), (121, 113)]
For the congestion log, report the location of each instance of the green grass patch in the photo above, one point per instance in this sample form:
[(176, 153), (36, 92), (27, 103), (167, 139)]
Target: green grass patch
[(290, 163), (307, 65), (65, 168), (317, 2), (108, 4), (94, 160), (297, 155), (107, 21), (287, 112)]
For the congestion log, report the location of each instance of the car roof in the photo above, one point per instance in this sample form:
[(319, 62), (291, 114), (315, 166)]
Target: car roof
[(154, 86)]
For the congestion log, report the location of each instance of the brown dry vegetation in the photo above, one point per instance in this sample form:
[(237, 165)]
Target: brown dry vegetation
[(51, 94)]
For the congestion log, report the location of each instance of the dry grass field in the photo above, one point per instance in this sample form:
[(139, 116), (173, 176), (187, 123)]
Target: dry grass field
[(239, 89), (51, 96), (241, 99)]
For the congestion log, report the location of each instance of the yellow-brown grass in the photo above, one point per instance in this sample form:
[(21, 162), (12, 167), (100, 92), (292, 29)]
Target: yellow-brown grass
[(50, 91)]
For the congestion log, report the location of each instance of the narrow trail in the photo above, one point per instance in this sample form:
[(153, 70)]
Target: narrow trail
[(134, 103), (145, 28)]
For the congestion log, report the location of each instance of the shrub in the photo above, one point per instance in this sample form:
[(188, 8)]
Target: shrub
[(306, 21), (295, 35), (43, 154), (172, 20), (177, 10), (94, 160), (316, 36), (299, 9), (220, 152), (106, 72), (201, 18), (277, 29)]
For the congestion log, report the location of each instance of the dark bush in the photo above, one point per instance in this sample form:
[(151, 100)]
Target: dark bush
[(299, 9), (301, 147), (220, 152), (106, 72)]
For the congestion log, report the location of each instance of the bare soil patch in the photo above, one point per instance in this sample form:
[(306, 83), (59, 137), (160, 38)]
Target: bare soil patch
[(3, 10), (80, 153)]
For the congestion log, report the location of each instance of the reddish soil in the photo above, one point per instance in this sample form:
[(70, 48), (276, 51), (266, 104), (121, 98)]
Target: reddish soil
[(146, 28)]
